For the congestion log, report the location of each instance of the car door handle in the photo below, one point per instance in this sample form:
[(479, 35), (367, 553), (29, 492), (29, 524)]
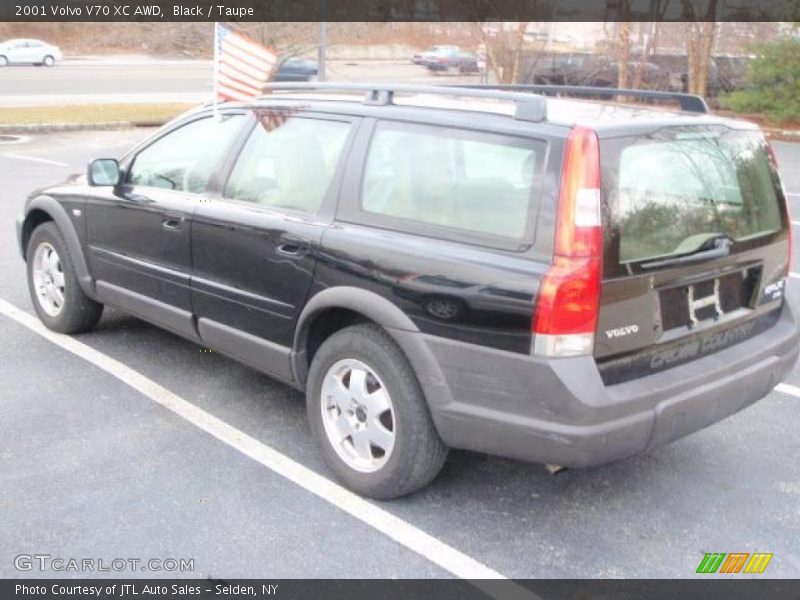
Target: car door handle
[(291, 246), (171, 223), (291, 249)]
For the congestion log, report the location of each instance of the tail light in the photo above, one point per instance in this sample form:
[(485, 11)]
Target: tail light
[(569, 296), (774, 160)]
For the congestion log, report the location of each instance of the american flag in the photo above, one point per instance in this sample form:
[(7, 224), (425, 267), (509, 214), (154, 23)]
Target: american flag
[(242, 66)]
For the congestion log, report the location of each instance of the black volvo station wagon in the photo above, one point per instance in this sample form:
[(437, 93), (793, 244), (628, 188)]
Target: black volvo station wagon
[(557, 280)]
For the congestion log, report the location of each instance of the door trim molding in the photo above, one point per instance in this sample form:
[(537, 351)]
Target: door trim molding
[(159, 313), (145, 267), (252, 350)]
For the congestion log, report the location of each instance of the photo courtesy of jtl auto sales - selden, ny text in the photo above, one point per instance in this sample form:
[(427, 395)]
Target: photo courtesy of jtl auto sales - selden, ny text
[(399, 300)]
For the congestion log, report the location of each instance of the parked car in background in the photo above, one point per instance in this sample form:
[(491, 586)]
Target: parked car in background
[(28, 52), (725, 73), (677, 67), (665, 72), (589, 70), (297, 69), (731, 72), (422, 58), (455, 61)]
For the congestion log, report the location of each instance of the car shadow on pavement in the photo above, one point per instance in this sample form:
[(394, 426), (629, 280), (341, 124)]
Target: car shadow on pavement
[(274, 413)]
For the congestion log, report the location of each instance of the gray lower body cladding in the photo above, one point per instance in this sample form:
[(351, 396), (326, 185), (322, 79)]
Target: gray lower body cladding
[(560, 411)]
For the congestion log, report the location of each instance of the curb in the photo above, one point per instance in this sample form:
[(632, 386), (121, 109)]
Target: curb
[(786, 135), (59, 127)]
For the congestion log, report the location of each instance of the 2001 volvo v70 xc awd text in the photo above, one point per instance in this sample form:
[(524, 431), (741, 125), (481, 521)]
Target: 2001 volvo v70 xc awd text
[(561, 281)]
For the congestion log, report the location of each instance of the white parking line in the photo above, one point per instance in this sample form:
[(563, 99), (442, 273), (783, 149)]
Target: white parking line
[(786, 388), (402, 532), (46, 161)]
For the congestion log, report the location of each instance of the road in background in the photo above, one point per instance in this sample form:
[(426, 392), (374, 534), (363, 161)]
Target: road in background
[(120, 80), (90, 467)]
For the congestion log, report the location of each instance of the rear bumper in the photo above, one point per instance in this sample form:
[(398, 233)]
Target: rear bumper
[(559, 411)]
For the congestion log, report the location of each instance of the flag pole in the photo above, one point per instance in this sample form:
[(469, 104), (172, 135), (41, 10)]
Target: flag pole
[(216, 70)]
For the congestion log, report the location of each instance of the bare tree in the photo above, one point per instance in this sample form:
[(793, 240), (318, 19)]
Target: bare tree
[(650, 45), (699, 44), (622, 47), (504, 44), (286, 38)]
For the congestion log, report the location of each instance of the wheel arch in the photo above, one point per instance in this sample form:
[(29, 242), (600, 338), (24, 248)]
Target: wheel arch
[(45, 209), (335, 308), (347, 305)]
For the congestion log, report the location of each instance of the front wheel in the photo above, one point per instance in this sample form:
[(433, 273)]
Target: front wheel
[(369, 416), (57, 296), (48, 61), (3, 61)]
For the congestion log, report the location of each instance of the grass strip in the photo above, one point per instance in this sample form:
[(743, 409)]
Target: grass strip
[(138, 114)]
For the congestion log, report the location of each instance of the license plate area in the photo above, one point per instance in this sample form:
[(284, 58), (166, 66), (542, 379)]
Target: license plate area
[(692, 303)]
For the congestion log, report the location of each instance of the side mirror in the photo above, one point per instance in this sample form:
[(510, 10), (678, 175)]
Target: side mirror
[(104, 171)]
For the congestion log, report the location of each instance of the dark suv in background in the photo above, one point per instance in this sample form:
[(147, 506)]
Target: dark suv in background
[(593, 70), (553, 280)]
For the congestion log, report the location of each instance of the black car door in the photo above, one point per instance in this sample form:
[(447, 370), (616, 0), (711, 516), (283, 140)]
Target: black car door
[(254, 250), (138, 233)]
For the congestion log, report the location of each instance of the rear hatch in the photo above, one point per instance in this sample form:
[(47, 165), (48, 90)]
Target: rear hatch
[(696, 246)]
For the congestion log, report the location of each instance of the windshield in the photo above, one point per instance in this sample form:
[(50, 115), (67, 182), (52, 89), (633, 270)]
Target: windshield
[(667, 193)]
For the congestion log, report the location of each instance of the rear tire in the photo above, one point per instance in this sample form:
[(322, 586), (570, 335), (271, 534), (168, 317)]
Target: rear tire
[(3, 61), (378, 438), (55, 291)]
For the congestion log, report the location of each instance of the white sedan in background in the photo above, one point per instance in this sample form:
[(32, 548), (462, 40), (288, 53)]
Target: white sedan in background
[(431, 54), (33, 52)]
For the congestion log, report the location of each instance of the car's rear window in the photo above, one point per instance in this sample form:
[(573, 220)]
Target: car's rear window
[(669, 192), (476, 183)]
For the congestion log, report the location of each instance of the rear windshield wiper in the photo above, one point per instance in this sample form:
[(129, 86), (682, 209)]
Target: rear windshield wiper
[(717, 246)]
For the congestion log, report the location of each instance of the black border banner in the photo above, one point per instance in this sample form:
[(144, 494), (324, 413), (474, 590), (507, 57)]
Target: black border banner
[(397, 10), (708, 588)]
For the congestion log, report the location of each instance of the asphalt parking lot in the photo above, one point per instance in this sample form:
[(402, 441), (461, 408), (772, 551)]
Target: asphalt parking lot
[(92, 467)]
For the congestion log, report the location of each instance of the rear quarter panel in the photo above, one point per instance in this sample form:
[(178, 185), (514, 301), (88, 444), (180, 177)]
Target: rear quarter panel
[(453, 289)]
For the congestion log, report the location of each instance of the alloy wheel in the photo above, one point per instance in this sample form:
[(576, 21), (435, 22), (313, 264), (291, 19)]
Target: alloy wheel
[(358, 415), (48, 279)]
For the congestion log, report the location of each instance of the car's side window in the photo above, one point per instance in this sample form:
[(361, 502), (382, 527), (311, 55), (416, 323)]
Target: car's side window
[(442, 177), (185, 159), (288, 162)]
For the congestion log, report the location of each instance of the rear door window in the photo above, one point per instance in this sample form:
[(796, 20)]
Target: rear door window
[(288, 162), (469, 185), (670, 192)]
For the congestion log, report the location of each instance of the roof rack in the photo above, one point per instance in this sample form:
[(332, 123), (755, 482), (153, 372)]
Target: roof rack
[(529, 107), (688, 102)]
